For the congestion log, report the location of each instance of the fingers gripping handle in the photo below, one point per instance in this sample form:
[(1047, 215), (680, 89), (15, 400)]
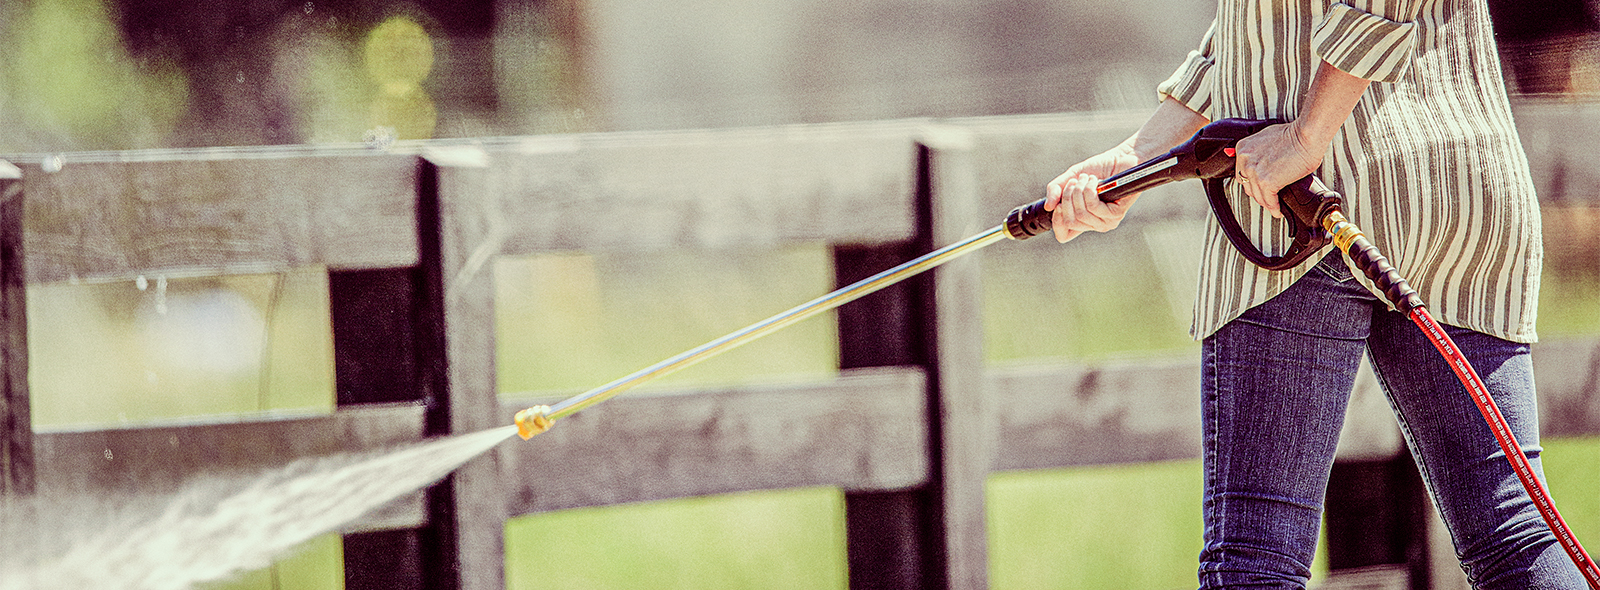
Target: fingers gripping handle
[(1032, 219)]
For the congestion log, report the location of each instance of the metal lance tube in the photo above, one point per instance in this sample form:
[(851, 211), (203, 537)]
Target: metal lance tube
[(538, 419)]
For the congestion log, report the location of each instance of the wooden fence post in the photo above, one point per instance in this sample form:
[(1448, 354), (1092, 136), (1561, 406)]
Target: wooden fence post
[(16, 423), (932, 536), (1376, 515), (889, 535), (426, 334), (461, 231), (374, 313), (963, 428)]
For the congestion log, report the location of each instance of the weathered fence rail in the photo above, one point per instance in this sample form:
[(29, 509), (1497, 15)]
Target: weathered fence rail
[(909, 429)]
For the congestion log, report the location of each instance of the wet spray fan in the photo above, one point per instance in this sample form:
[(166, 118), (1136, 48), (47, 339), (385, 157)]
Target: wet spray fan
[(1314, 217)]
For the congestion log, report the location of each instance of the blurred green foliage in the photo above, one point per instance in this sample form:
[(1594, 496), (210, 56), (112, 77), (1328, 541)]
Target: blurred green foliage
[(67, 77), (133, 352), (1103, 296)]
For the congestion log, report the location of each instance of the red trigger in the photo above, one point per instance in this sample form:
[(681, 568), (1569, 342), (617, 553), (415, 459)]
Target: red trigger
[(1228, 151)]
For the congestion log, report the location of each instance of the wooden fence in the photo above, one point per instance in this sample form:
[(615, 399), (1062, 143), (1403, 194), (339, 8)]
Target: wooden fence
[(910, 428)]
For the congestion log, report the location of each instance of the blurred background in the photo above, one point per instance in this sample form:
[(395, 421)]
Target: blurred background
[(127, 74), (88, 75)]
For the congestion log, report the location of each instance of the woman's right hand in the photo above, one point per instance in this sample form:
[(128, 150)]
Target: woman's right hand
[(1074, 201)]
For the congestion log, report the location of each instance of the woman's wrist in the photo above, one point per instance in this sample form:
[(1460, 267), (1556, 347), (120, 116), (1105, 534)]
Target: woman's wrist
[(1332, 97)]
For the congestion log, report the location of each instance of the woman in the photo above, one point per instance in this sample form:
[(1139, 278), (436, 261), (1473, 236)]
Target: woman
[(1400, 106)]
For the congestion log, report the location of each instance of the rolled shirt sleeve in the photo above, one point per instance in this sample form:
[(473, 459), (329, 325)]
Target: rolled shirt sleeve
[(1373, 44), (1191, 83)]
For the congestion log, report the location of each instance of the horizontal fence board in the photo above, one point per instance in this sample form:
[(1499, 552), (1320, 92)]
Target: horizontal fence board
[(1072, 415), (158, 460), (106, 220), (838, 184), (863, 431)]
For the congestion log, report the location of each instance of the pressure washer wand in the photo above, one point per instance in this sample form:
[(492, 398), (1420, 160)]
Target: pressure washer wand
[(538, 419), (1208, 154)]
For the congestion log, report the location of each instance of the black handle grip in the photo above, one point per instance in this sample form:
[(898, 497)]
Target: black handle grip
[(1373, 264), (1032, 219), (1384, 275), (1027, 221)]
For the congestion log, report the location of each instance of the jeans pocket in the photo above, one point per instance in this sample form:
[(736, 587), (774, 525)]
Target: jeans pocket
[(1333, 265)]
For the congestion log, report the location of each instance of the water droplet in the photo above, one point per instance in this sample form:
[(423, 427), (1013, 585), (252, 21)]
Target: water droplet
[(52, 164), (141, 283), (239, 77), (161, 294), (309, 8), (108, 454), (379, 138)]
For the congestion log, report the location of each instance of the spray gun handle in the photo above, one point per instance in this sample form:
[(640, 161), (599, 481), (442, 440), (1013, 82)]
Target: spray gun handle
[(1206, 154), (1306, 202)]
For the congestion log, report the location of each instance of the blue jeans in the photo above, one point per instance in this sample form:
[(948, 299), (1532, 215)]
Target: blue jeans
[(1276, 381)]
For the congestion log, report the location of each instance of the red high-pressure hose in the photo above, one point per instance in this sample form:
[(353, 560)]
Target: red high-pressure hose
[(1308, 207), (1361, 251)]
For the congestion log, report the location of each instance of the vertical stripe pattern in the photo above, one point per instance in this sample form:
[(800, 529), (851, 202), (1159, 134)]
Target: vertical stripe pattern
[(1429, 162)]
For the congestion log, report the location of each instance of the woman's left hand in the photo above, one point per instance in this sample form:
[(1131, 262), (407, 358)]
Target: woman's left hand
[(1272, 159)]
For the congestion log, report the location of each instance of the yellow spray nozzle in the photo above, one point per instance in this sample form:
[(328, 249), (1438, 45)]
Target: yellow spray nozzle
[(533, 421)]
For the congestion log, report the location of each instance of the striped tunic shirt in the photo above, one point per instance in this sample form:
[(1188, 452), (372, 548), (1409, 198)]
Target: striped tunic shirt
[(1429, 162)]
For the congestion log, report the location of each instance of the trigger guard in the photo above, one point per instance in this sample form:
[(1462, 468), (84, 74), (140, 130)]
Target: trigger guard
[(1306, 241)]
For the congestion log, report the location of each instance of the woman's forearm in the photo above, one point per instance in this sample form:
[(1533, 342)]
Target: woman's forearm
[(1170, 125)]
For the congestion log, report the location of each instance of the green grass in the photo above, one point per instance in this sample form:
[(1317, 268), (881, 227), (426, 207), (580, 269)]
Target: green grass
[(1572, 471), (1130, 526)]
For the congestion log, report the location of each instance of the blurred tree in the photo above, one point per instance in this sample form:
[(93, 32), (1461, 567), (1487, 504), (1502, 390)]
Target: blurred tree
[(66, 82), (246, 63)]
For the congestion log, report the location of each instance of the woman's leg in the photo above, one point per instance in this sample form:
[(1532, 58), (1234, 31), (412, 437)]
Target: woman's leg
[(1502, 541), (1276, 382)]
